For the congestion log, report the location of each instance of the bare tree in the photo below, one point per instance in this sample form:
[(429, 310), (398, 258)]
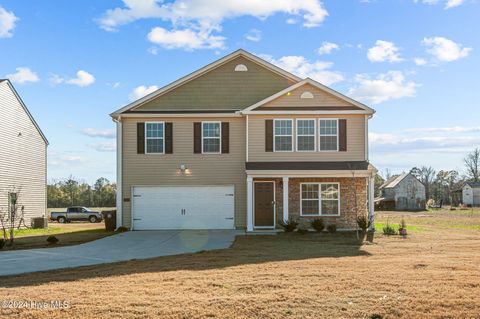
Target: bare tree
[(472, 162), (426, 175)]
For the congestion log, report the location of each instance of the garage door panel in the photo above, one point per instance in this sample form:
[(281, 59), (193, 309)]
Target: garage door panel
[(192, 207)]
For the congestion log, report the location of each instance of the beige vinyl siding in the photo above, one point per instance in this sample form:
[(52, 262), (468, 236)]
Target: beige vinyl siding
[(222, 89), (22, 158), (355, 140), (320, 98), (205, 169)]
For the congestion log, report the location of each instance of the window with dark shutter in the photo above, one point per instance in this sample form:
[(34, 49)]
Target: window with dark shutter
[(197, 137), (140, 138), (342, 132), (168, 138), (225, 137), (268, 135)]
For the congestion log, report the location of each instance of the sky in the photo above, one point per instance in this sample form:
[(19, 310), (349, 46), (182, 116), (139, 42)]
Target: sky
[(416, 62)]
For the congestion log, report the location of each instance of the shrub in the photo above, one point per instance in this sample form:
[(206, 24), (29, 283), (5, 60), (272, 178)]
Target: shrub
[(302, 231), (2, 243), (318, 224), (332, 228), (289, 226), (121, 229), (363, 223), (402, 228), (52, 239), (389, 230)]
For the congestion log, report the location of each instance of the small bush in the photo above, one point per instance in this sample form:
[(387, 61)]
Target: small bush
[(402, 228), (289, 226), (302, 231), (2, 243), (389, 230), (52, 239), (332, 228), (318, 224), (121, 229), (363, 223)]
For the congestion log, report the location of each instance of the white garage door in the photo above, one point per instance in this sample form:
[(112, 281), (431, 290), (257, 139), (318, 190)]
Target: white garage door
[(174, 207)]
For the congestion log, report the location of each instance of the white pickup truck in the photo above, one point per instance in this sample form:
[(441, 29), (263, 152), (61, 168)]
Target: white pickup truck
[(76, 213)]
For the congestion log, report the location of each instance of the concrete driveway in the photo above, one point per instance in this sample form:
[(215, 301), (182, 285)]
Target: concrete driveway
[(121, 247)]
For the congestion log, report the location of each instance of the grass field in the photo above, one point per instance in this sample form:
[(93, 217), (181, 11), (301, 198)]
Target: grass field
[(433, 273)]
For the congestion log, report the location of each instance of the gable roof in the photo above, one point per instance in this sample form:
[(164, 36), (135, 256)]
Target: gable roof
[(473, 184), (205, 70), (362, 108), (396, 179), (12, 88)]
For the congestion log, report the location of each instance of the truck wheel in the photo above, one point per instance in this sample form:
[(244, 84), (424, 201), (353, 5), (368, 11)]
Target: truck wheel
[(61, 220), (92, 219)]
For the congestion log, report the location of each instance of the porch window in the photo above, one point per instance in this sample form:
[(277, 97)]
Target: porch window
[(305, 135), (283, 132), (329, 135), (320, 199), (211, 141), (154, 137)]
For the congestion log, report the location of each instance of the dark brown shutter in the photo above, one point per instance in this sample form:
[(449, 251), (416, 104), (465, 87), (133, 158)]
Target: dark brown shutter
[(225, 137), (141, 138), (268, 135), (342, 135), (168, 138), (197, 137)]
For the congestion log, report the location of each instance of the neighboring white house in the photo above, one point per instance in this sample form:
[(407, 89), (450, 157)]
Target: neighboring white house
[(23, 156), (471, 194)]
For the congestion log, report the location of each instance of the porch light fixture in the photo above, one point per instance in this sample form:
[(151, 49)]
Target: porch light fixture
[(183, 168)]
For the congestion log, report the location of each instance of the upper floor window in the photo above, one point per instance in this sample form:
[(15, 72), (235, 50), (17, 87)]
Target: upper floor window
[(211, 137), (154, 137), (328, 135), (283, 133), (305, 135)]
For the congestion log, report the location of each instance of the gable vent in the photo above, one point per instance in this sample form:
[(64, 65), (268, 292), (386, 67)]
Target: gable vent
[(241, 68), (306, 95)]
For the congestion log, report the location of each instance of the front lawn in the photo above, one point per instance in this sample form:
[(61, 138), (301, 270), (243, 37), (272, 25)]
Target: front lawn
[(429, 274), (68, 234)]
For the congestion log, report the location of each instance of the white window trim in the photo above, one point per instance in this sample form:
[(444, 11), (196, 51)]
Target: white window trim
[(314, 134), (320, 134), (320, 200), (154, 138), (275, 135), (220, 137)]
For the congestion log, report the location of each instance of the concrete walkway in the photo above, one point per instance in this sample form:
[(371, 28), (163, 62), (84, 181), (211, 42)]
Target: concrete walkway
[(121, 247)]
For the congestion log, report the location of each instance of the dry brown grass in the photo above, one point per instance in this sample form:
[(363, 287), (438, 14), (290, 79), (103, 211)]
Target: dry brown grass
[(433, 273)]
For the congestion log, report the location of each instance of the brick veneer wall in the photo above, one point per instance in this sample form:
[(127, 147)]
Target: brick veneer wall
[(348, 186)]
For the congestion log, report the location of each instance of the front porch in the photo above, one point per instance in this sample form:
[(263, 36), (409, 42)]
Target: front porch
[(336, 199)]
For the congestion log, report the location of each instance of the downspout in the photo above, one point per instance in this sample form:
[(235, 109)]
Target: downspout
[(370, 180), (119, 219)]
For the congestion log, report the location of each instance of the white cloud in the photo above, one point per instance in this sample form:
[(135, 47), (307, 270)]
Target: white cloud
[(7, 23), (94, 132), (449, 129), (23, 75), (420, 61), (384, 51), (300, 66), (141, 91), (327, 48), (291, 21), (386, 86), (448, 3), (103, 146), (83, 79), (445, 50), (196, 20), (254, 35), (187, 39), (64, 160)]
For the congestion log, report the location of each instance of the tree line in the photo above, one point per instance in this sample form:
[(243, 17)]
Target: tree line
[(73, 192), (441, 185)]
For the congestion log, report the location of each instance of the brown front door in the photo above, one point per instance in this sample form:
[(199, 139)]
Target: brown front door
[(264, 204)]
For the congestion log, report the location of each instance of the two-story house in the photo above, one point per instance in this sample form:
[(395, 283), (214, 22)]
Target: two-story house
[(242, 144)]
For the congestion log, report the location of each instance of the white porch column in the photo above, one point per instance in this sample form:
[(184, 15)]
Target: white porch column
[(371, 206), (119, 195), (285, 199), (249, 203)]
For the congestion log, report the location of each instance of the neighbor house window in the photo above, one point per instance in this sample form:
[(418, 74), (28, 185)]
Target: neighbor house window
[(283, 132), (211, 137), (305, 135), (328, 135), (154, 137), (320, 199)]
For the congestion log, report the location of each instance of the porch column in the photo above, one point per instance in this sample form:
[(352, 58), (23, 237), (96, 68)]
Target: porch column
[(371, 206), (285, 199), (249, 203)]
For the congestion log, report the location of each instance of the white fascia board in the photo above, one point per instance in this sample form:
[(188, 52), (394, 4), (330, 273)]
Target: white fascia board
[(308, 173), (157, 115), (304, 112)]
